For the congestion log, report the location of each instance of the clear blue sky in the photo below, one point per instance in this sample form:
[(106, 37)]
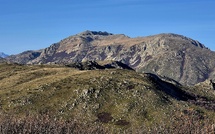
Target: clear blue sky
[(36, 24)]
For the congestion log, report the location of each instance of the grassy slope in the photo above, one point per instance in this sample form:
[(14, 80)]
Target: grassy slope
[(114, 98)]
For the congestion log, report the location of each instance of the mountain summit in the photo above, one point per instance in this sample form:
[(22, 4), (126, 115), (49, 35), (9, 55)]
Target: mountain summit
[(86, 33), (175, 56)]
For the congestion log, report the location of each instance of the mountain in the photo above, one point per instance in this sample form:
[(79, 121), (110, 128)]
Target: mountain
[(62, 99), (178, 57), (24, 57), (3, 55)]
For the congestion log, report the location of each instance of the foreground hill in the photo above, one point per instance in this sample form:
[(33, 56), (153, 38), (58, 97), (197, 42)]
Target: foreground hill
[(106, 100), (175, 56)]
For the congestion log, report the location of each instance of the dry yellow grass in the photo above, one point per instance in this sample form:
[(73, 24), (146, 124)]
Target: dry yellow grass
[(30, 77)]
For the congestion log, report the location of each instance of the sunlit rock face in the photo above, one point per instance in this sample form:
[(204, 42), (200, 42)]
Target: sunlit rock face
[(171, 55)]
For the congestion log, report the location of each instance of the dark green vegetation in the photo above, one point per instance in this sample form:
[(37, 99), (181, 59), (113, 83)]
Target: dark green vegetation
[(59, 99)]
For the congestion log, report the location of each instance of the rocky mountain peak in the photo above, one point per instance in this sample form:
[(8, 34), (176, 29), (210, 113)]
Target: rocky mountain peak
[(91, 33)]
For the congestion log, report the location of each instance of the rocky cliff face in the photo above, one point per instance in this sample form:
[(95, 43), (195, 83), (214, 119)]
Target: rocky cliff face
[(171, 55)]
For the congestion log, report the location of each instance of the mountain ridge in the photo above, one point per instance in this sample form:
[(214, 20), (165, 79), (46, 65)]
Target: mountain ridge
[(3, 55), (172, 55)]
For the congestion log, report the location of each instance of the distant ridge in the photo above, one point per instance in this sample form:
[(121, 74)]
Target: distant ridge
[(175, 56), (3, 55)]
